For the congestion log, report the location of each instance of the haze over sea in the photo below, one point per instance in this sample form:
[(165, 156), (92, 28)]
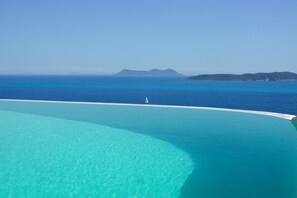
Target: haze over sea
[(279, 96)]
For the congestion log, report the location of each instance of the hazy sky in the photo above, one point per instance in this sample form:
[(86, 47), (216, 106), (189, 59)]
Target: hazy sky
[(192, 37)]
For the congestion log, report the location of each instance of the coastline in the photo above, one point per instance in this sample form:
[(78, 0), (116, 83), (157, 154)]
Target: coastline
[(267, 113)]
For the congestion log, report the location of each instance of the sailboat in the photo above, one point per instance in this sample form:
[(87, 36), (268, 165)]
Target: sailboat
[(146, 101)]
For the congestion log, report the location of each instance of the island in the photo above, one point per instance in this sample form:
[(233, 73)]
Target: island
[(273, 76), (151, 73)]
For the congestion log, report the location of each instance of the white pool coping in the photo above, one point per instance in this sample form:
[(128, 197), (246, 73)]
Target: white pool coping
[(267, 113)]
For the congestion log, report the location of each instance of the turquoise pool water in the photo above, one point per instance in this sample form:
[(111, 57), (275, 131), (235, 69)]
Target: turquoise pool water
[(106, 150), (51, 157)]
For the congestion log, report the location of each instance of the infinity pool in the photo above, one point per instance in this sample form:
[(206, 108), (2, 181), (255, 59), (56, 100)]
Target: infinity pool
[(56, 149)]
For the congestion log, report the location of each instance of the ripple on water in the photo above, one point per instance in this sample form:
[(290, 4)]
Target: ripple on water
[(49, 157)]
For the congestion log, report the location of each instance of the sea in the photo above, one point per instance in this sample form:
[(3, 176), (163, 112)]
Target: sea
[(277, 96)]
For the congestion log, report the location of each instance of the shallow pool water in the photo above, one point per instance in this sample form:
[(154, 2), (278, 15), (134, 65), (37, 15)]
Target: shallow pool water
[(219, 154), (52, 157)]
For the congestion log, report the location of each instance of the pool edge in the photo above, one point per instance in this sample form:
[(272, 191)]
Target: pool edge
[(267, 113)]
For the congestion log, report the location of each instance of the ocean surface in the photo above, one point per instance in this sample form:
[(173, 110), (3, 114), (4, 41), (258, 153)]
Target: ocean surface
[(279, 96), (58, 149)]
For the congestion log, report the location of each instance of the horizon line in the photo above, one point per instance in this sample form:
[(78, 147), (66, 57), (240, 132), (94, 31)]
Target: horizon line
[(114, 73)]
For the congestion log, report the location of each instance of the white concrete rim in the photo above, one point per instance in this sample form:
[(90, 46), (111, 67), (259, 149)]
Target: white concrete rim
[(267, 113)]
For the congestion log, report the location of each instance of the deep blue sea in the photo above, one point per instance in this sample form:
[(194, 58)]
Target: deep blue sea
[(280, 96)]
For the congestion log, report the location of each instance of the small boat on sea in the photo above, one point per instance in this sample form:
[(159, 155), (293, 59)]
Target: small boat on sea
[(146, 101)]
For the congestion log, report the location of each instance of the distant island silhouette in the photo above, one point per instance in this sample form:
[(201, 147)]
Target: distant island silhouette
[(149, 73), (273, 76)]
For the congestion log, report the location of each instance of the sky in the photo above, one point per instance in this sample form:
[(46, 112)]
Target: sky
[(190, 36)]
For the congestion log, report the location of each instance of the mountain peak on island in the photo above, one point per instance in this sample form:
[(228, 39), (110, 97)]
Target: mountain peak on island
[(149, 73)]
